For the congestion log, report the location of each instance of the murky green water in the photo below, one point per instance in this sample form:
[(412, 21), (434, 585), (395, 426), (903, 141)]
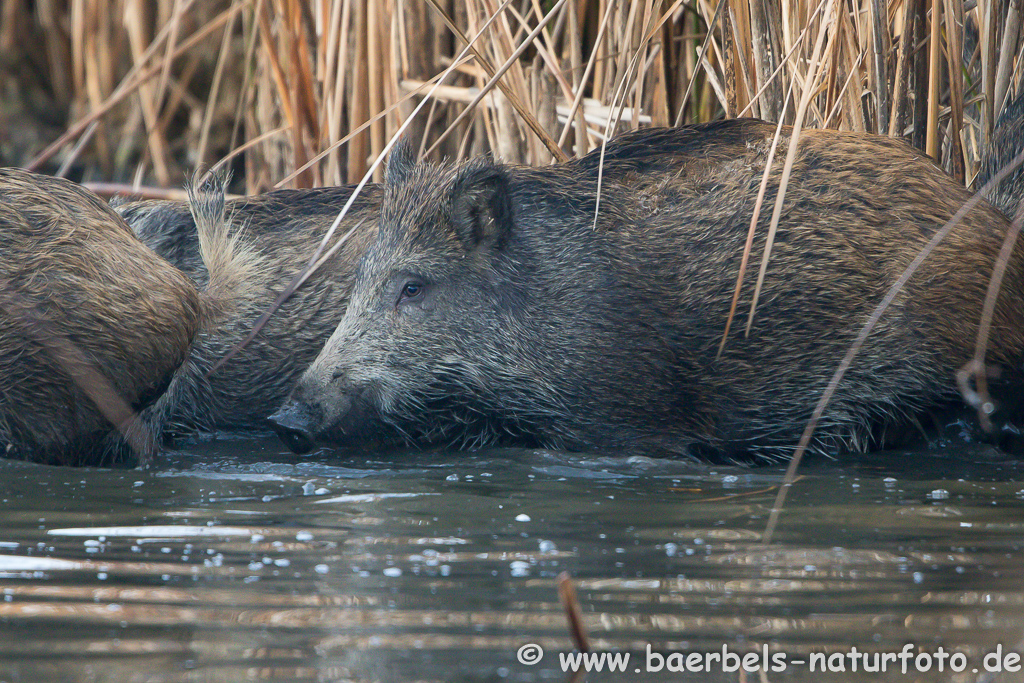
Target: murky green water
[(235, 561)]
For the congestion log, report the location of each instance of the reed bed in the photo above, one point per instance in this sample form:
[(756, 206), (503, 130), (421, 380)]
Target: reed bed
[(309, 93)]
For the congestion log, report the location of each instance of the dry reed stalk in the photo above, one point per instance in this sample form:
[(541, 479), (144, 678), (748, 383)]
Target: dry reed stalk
[(716, 16), (334, 75), (511, 142), (879, 65), (751, 233), (728, 62), (954, 14), (573, 612), (1008, 49), (374, 68), (574, 118), (358, 106), (898, 112), (136, 21), (303, 91), (934, 80), (575, 114), (285, 74), (11, 13), (218, 76), (920, 115), (765, 50)]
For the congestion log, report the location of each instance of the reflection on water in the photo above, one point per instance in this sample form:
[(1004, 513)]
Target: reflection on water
[(235, 561)]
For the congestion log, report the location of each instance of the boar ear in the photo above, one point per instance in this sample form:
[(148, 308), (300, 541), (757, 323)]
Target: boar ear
[(482, 207), (401, 161)]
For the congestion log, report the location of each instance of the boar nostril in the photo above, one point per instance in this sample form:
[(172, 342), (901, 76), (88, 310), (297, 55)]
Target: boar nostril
[(293, 428)]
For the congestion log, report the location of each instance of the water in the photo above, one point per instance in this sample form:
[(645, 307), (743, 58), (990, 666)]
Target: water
[(235, 561)]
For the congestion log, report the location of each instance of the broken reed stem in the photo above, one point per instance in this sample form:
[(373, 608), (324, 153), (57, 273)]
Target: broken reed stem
[(573, 614)]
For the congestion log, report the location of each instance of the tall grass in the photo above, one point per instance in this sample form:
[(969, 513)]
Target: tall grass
[(309, 92)]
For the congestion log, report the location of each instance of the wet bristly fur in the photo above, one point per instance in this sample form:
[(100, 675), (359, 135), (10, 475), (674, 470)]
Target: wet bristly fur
[(242, 256), (533, 326), (79, 294)]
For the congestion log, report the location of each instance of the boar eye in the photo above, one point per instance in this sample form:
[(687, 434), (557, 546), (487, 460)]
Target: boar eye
[(411, 290)]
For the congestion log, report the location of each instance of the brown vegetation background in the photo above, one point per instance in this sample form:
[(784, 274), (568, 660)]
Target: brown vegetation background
[(293, 93)]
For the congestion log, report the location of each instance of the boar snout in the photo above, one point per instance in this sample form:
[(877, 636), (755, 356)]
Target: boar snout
[(294, 425)]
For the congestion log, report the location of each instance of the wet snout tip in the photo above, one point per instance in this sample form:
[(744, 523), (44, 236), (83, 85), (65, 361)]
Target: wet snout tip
[(291, 424)]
